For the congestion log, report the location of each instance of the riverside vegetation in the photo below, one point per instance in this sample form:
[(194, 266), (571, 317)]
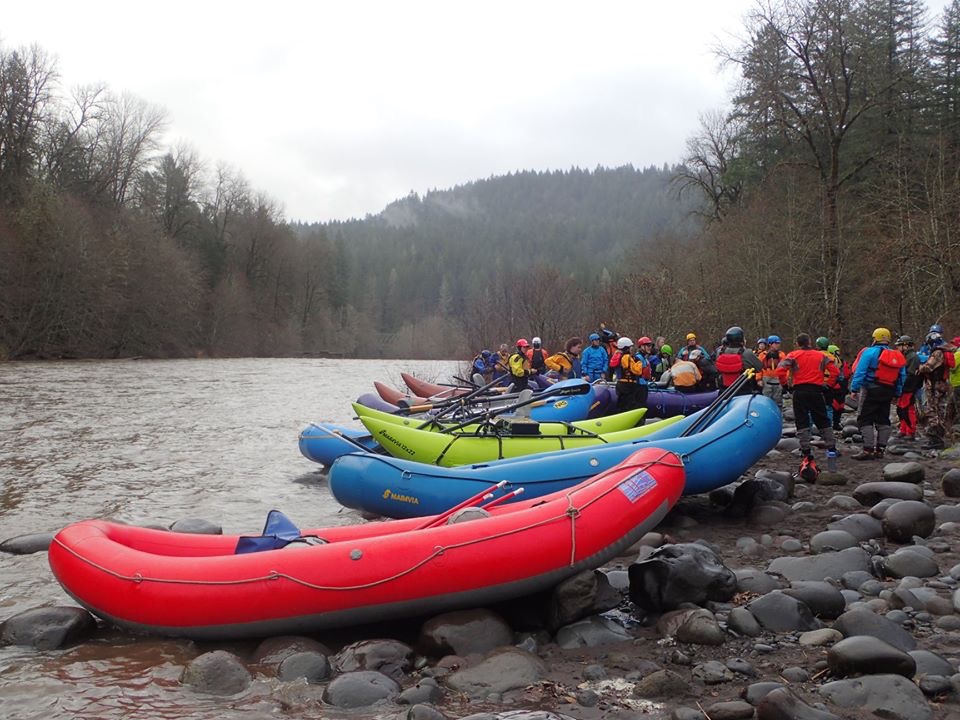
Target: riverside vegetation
[(826, 196)]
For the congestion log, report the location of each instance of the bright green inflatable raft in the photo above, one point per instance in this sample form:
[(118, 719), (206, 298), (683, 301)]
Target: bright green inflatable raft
[(608, 424), (482, 444)]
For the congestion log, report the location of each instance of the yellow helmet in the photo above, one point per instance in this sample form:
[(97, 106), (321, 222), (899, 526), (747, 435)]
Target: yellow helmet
[(691, 336), (881, 335)]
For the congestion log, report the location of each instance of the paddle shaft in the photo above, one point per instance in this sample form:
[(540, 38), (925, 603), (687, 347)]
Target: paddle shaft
[(485, 494)]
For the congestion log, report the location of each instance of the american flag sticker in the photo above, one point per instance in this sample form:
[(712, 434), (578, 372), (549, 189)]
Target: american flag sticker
[(637, 485)]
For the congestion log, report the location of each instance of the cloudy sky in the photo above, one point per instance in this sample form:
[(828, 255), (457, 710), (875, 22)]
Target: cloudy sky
[(335, 109)]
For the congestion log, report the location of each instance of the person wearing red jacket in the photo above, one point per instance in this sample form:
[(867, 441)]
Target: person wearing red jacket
[(807, 372)]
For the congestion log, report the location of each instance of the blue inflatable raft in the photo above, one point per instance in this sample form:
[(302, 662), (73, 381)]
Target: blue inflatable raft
[(738, 434)]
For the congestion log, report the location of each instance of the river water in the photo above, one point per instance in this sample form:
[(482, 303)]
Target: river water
[(152, 442)]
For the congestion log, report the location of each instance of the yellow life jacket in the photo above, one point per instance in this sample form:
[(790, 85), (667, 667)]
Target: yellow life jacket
[(518, 365)]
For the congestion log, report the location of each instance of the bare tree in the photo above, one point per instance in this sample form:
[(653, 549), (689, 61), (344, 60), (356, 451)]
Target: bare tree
[(708, 166)]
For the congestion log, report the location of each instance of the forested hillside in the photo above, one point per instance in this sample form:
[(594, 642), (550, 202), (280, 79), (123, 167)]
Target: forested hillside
[(485, 262), (825, 198)]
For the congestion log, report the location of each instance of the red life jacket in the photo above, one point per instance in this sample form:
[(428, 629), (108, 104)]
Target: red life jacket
[(889, 363), (730, 366)]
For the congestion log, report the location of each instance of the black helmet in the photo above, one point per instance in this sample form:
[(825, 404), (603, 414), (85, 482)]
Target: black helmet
[(734, 335)]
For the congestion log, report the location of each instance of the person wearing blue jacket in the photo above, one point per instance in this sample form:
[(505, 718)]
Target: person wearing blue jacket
[(879, 373), (594, 360)]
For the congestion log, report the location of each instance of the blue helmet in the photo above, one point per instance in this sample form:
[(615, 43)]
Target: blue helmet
[(761, 340), (773, 339), (594, 336), (936, 328), (486, 354)]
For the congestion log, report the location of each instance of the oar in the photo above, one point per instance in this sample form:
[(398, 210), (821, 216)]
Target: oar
[(481, 496), (503, 498), (452, 402), (534, 401)]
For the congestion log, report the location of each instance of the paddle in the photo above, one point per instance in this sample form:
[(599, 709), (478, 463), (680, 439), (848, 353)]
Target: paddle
[(712, 410), (453, 402), (535, 401), (481, 496)]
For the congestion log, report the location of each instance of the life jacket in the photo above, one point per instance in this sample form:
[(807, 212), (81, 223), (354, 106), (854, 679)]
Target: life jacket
[(537, 358), (518, 365), (629, 370), (955, 370), (771, 359), (889, 363), (685, 373), (730, 366), (950, 358), (560, 362), (615, 364)]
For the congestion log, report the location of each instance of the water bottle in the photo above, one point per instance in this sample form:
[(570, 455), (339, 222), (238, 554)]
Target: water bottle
[(832, 460)]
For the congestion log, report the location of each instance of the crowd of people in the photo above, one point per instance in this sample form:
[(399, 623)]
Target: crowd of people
[(923, 383)]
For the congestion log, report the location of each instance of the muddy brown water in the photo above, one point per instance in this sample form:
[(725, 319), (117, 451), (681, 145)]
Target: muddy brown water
[(152, 442)]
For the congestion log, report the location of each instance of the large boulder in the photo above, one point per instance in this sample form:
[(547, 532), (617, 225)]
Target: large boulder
[(503, 670), (464, 632), (216, 673), (586, 593), (779, 612), (390, 657), (868, 655), (680, 573), (871, 493), (47, 628), (361, 688), (907, 518), (906, 472), (822, 566), (888, 696), (864, 622)]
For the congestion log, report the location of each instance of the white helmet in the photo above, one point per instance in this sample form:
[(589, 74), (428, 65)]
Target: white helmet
[(624, 343), (696, 354), (536, 342)]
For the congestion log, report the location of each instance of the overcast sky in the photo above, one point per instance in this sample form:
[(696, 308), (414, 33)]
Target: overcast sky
[(335, 109)]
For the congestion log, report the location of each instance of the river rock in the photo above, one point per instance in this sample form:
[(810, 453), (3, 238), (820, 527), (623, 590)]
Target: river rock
[(464, 632), (889, 696), (503, 670), (823, 599), (831, 478), (586, 593), (360, 688), (755, 692), (700, 628), (950, 482), (272, 651), (730, 710), (868, 655), (425, 691), (860, 525), (908, 563), (819, 567), (422, 711), (712, 672), (781, 613), (592, 632), (196, 526), (907, 518), (947, 513), (741, 621), (787, 444), (312, 666), (843, 502), (216, 673), (389, 657), (871, 493), (781, 704), (680, 573), (818, 638), (864, 622), (907, 472), (929, 663), (755, 581), (881, 507), (661, 684), (831, 540), (27, 544), (47, 628)]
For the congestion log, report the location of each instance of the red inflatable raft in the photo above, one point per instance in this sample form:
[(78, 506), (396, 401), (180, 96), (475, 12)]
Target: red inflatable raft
[(196, 586)]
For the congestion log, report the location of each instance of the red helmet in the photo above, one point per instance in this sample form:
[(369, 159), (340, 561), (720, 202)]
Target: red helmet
[(644, 341), (522, 342)]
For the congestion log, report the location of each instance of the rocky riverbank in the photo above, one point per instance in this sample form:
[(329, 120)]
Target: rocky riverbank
[(776, 599)]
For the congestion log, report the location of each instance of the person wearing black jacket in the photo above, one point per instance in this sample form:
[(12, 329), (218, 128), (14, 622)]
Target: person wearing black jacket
[(906, 406)]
